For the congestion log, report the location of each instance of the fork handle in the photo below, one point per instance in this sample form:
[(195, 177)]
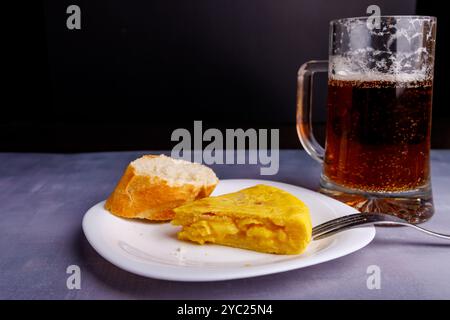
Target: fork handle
[(431, 233), (358, 224)]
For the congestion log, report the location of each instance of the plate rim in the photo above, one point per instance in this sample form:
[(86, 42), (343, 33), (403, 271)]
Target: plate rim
[(254, 271)]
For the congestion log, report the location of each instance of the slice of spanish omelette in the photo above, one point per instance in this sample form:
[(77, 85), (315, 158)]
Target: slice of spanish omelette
[(261, 218)]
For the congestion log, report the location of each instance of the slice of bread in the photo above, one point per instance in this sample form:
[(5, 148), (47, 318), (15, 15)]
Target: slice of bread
[(152, 186)]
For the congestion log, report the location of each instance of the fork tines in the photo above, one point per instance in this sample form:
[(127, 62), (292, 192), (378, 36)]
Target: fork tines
[(338, 224)]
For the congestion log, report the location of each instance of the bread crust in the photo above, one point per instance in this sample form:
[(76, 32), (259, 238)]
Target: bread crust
[(150, 197)]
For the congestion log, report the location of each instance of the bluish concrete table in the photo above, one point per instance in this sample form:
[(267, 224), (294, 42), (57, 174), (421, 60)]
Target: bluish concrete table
[(43, 198)]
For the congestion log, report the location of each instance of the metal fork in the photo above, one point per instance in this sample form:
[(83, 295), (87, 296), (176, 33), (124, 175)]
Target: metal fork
[(358, 220)]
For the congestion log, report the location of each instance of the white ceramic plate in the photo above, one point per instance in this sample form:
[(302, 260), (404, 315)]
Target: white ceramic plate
[(152, 249)]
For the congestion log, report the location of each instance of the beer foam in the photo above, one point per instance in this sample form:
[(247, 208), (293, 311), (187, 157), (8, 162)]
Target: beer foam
[(400, 49), (378, 76), (396, 69)]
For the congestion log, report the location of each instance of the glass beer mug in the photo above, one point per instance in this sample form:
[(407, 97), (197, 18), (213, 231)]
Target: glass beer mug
[(377, 150)]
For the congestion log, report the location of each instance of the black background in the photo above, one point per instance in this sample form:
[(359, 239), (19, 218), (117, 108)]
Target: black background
[(139, 69)]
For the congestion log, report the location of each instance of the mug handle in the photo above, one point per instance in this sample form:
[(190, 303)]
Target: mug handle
[(304, 107)]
